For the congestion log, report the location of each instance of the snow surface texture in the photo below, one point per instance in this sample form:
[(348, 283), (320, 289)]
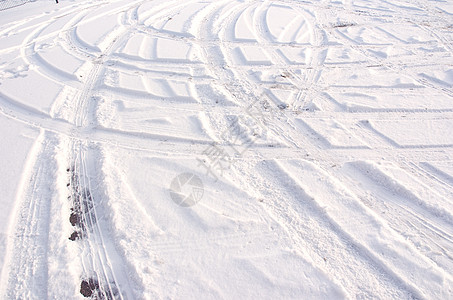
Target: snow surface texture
[(311, 140)]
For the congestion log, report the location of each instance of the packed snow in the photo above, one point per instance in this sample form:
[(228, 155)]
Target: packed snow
[(227, 149)]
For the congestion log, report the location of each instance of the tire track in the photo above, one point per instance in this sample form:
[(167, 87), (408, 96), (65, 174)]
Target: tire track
[(102, 277), (25, 271), (428, 232), (319, 239)]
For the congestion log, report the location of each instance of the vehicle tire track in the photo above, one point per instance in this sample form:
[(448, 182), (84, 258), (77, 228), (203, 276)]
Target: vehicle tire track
[(102, 277), (26, 271)]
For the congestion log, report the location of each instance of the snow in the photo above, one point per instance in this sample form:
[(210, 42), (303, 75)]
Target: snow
[(319, 133), (16, 142)]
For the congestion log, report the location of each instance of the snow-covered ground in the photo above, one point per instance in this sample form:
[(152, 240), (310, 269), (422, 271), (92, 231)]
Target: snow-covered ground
[(227, 149)]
